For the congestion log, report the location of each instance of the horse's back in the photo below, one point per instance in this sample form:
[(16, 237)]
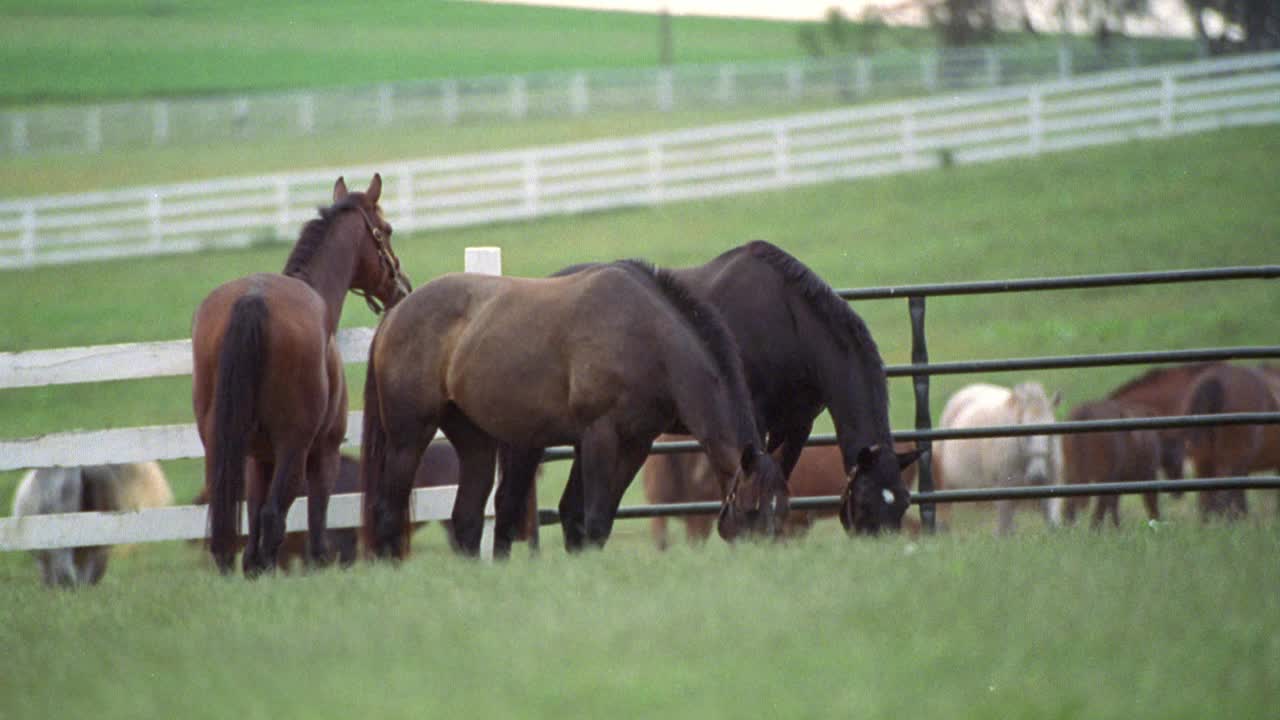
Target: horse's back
[(975, 462)]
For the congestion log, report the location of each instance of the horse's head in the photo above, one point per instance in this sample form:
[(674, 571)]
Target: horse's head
[(756, 502), (875, 498), (378, 275), (1032, 406)]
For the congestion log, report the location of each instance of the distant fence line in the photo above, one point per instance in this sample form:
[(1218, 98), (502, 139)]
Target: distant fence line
[(714, 161), (175, 121)]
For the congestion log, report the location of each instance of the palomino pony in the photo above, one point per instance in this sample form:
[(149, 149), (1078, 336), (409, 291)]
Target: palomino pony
[(687, 477), (268, 383), (91, 488), (1233, 449), (1002, 461), (603, 360), (1120, 456), (803, 349)]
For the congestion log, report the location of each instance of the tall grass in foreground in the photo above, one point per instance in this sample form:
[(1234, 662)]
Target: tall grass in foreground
[(1181, 621)]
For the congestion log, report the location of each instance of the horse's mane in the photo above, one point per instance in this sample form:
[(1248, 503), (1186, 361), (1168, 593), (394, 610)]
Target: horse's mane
[(704, 320), (836, 311), (1153, 375), (313, 234)]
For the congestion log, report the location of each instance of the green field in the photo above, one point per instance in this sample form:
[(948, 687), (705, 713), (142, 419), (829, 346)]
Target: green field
[(1171, 622), (74, 50)]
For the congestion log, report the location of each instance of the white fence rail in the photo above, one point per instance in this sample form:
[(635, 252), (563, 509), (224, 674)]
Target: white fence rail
[(93, 128), (651, 169), (167, 442)]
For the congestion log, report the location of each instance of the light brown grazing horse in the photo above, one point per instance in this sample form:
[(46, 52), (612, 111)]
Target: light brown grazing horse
[(1122, 456), (1232, 450), (687, 477), (267, 381), (603, 360)]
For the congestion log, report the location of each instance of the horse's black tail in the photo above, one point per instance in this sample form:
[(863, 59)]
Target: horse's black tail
[(240, 363), (373, 457)]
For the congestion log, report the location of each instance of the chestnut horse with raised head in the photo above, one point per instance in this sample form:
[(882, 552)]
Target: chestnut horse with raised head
[(1231, 450), (803, 349), (603, 360), (267, 379), (1102, 457)]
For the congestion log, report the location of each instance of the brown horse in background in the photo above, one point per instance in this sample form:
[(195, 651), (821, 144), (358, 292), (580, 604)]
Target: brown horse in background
[(686, 477), (1162, 392), (267, 378), (1232, 450), (1122, 456), (603, 360)]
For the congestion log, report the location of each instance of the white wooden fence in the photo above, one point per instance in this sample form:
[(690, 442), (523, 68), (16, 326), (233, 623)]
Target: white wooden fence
[(389, 106), (166, 442), (651, 169)]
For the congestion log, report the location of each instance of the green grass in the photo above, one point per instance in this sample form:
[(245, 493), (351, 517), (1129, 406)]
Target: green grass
[(72, 50), (1180, 622)]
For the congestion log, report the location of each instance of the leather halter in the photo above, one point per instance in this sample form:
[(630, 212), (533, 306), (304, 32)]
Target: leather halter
[(387, 257)]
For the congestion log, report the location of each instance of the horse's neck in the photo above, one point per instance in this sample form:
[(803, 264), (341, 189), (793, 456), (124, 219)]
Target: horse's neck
[(859, 408), (329, 271)]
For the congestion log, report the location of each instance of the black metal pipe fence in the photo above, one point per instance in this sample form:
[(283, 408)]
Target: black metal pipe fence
[(921, 369)]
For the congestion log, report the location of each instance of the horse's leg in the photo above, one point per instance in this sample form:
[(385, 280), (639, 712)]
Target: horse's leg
[(290, 475), (1152, 502), (322, 475), (519, 466), (618, 461), (791, 439), (390, 516), (1004, 517), (572, 521), (257, 477), (476, 454)]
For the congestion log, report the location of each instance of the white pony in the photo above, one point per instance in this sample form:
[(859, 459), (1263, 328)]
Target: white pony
[(1003, 461), (91, 488)]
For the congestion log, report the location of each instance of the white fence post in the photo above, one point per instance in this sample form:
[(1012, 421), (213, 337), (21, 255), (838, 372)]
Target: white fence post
[(655, 172), (160, 123), (993, 67), (1064, 61), (404, 201), (306, 113), (29, 234), (665, 89), (579, 99), (908, 139), (240, 116), (449, 99), (929, 72), (1035, 120), (862, 76), (93, 129), (18, 134), (724, 87), (386, 104), (530, 173), (283, 226), (1167, 91), (795, 81), (486, 261), (519, 97), (156, 227), (781, 154)]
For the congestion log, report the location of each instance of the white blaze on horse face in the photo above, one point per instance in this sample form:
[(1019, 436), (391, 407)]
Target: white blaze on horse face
[(887, 494)]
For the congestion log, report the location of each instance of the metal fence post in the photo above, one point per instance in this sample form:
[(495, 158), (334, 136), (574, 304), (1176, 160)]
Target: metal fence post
[(486, 261), (924, 421)]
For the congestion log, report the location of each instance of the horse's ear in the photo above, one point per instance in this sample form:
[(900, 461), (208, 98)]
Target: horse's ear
[(867, 456), (375, 188), (906, 458), (339, 190)]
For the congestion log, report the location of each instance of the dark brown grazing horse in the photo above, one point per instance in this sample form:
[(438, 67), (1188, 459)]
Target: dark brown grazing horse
[(1162, 392), (1232, 450), (803, 349), (1125, 456), (267, 380), (686, 477), (603, 360)]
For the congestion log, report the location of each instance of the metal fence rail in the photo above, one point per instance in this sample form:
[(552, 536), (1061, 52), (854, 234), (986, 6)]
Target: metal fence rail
[(514, 98)]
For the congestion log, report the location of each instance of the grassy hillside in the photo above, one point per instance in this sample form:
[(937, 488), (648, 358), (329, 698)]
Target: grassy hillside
[(64, 50)]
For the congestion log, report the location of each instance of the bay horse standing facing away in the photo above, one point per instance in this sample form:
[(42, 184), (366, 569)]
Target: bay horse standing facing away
[(603, 360), (89, 488), (267, 381), (804, 349), (1232, 449), (1119, 456), (1163, 392), (1000, 461)]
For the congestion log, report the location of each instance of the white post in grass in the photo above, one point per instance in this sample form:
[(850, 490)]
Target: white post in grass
[(486, 261)]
